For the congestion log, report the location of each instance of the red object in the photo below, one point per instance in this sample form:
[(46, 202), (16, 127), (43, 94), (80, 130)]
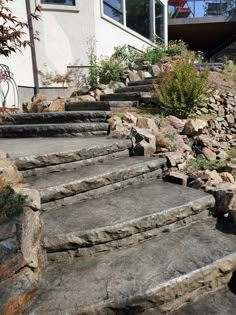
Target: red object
[(180, 11)]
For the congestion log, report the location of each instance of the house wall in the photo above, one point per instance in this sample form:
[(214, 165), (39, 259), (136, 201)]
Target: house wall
[(65, 34)]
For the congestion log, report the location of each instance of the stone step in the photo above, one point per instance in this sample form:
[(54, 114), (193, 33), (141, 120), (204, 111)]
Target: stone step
[(57, 118), (136, 88), (144, 82), (221, 302), (58, 186), (47, 155), (92, 106), (156, 276), (126, 96), (121, 218), (119, 106), (53, 130)]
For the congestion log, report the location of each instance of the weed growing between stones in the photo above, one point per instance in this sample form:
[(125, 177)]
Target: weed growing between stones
[(198, 165)]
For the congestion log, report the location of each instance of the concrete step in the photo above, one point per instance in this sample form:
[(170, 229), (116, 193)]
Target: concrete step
[(57, 118), (136, 88), (58, 186), (156, 276), (221, 302), (92, 106), (121, 218), (126, 96), (59, 154), (150, 81), (53, 130)]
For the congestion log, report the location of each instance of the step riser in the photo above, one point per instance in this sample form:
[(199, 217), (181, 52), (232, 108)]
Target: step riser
[(141, 88), (80, 186), (62, 247), (144, 82), (73, 165), (58, 118), (127, 96), (83, 106), (172, 294), (41, 161), (95, 193), (99, 129)]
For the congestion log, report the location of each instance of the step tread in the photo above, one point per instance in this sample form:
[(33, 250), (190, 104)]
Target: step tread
[(56, 179), (134, 276), (25, 148), (143, 82), (68, 125), (118, 211)]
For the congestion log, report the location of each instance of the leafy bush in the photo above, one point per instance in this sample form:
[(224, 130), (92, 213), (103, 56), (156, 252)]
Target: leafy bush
[(110, 70), (11, 203), (182, 87)]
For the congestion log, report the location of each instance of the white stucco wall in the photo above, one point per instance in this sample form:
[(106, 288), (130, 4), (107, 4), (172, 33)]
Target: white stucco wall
[(64, 33)]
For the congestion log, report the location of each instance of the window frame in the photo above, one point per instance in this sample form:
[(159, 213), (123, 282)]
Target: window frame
[(59, 7), (129, 30)]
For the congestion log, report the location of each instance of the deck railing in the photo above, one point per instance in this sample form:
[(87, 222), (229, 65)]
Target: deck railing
[(201, 8)]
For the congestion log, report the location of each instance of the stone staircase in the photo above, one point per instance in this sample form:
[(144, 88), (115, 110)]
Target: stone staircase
[(83, 123), (118, 239), (123, 98)]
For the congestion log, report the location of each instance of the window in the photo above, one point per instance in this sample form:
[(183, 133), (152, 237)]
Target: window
[(146, 17), (160, 19), (63, 2), (114, 9), (138, 16)]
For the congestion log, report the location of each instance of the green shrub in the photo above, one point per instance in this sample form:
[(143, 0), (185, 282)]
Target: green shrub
[(176, 48), (11, 203), (182, 87), (110, 70)]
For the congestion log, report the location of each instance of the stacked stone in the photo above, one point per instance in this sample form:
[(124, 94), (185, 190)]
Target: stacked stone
[(224, 108)]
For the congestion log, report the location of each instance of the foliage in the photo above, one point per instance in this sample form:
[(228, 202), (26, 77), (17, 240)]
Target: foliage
[(150, 55), (110, 70), (197, 165), (48, 78), (230, 71), (12, 34), (93, 67), (11, 203), (182, 87), (231, 153)]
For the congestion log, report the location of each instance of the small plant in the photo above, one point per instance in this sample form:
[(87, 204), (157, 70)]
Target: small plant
[(110, 70), (199, 165), (93, 66), (182, 87), (11, 203)]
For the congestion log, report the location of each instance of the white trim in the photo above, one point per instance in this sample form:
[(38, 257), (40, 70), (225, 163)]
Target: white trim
[(59, 7)]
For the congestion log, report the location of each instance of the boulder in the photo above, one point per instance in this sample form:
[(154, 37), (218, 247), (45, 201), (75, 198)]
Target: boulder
[(133, 76), (194, 127), (225, 197), (85, 98), (98, 94), (130, 118), (57, 105), (143, 148), (140, 134), (227, 177), (231, 168), (83, 90), (209, 154), (147, 123), (175, 158)]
